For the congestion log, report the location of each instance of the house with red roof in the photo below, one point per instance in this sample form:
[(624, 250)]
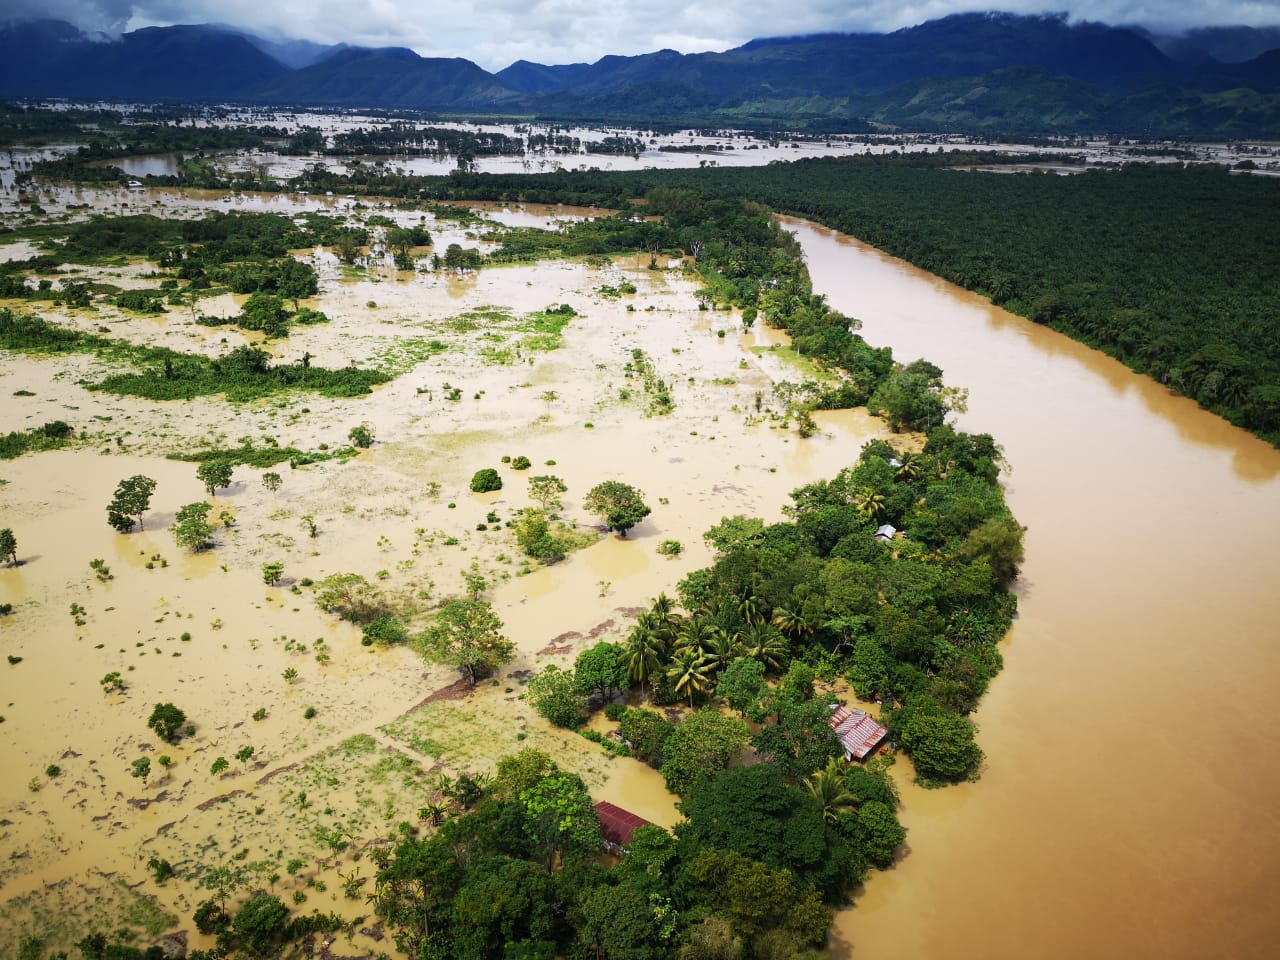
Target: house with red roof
[(856, 731), (618, 826)]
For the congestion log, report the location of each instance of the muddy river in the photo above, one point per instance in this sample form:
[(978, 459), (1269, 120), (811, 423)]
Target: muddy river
[(1127, 806)]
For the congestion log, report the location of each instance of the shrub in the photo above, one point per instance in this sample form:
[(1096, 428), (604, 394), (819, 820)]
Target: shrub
[(486, 481), (361, 436), (521, 463)]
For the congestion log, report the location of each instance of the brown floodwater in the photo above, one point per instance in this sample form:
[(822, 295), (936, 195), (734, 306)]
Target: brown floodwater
[(1127, 804)]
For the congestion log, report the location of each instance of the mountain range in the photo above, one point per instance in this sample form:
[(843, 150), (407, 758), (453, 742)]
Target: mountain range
[(966, 72)]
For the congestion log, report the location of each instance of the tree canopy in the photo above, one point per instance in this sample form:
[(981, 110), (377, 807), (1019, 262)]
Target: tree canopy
[(467, 634), (620, 505)]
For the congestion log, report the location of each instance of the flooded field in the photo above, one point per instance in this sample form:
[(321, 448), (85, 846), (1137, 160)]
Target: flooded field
[(1127, 805), (346, 741)]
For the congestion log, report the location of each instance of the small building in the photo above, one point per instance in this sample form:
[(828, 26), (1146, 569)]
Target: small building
[(618, 826), (856, 731), (885, 532)]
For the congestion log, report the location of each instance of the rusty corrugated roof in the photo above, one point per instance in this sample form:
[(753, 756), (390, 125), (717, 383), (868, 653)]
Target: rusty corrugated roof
[(857, 732), (617, 825)]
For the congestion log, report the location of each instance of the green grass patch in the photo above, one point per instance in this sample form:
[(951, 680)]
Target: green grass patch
[(801, 363)]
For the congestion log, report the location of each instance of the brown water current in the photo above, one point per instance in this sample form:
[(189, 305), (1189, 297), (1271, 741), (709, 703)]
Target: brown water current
[(1127, 804)]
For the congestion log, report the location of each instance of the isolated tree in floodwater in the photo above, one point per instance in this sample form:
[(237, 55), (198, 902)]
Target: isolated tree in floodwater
[(620, 505), (191, 527), (166, 720), (8, 546), (131, 501), (214, 474), (468, 634)]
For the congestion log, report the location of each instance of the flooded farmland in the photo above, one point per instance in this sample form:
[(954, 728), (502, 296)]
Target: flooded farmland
[(347, 740)]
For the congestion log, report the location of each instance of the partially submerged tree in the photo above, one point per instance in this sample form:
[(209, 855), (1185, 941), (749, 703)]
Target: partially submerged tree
[(214, 474), (486, 481), (546, 491), (557, 698), (132, 499), (8, 546), (601, 671), (166, 720), (620, 505), (467, 634), (352, 597), (191, 527)]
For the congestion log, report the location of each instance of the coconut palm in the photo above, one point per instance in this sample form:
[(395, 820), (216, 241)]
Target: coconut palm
[(721, 649), (827, 786), (764, 642), (753, 609), (908, 468), (870, 504), (694, 633), (664, 609), (691, 672), (644, 653), (792, 622)]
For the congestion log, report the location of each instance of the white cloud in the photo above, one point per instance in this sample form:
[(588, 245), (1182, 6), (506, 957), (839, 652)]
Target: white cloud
[(497, 32)]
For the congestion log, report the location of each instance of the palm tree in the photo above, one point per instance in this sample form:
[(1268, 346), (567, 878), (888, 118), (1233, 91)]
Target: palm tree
[(753, 609), (694, 633), (792, 622), (721, 649), (827, 786), (869, 503), (664, 609), (644, 653), (764, 642), (908, 468), (691, 671)]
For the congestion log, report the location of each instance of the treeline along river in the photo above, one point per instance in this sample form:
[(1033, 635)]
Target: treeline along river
[(1127, 803)]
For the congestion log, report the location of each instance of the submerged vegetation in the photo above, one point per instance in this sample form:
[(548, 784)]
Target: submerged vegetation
[(243, 374)]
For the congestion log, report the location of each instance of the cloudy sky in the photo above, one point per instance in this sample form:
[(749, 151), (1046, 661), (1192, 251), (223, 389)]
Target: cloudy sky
[(494, 33)]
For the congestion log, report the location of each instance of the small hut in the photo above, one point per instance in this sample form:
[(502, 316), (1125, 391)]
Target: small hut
[(885, 532)]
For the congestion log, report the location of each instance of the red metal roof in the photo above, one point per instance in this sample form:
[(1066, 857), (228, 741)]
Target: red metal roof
[(858, 733), (617, 825)]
